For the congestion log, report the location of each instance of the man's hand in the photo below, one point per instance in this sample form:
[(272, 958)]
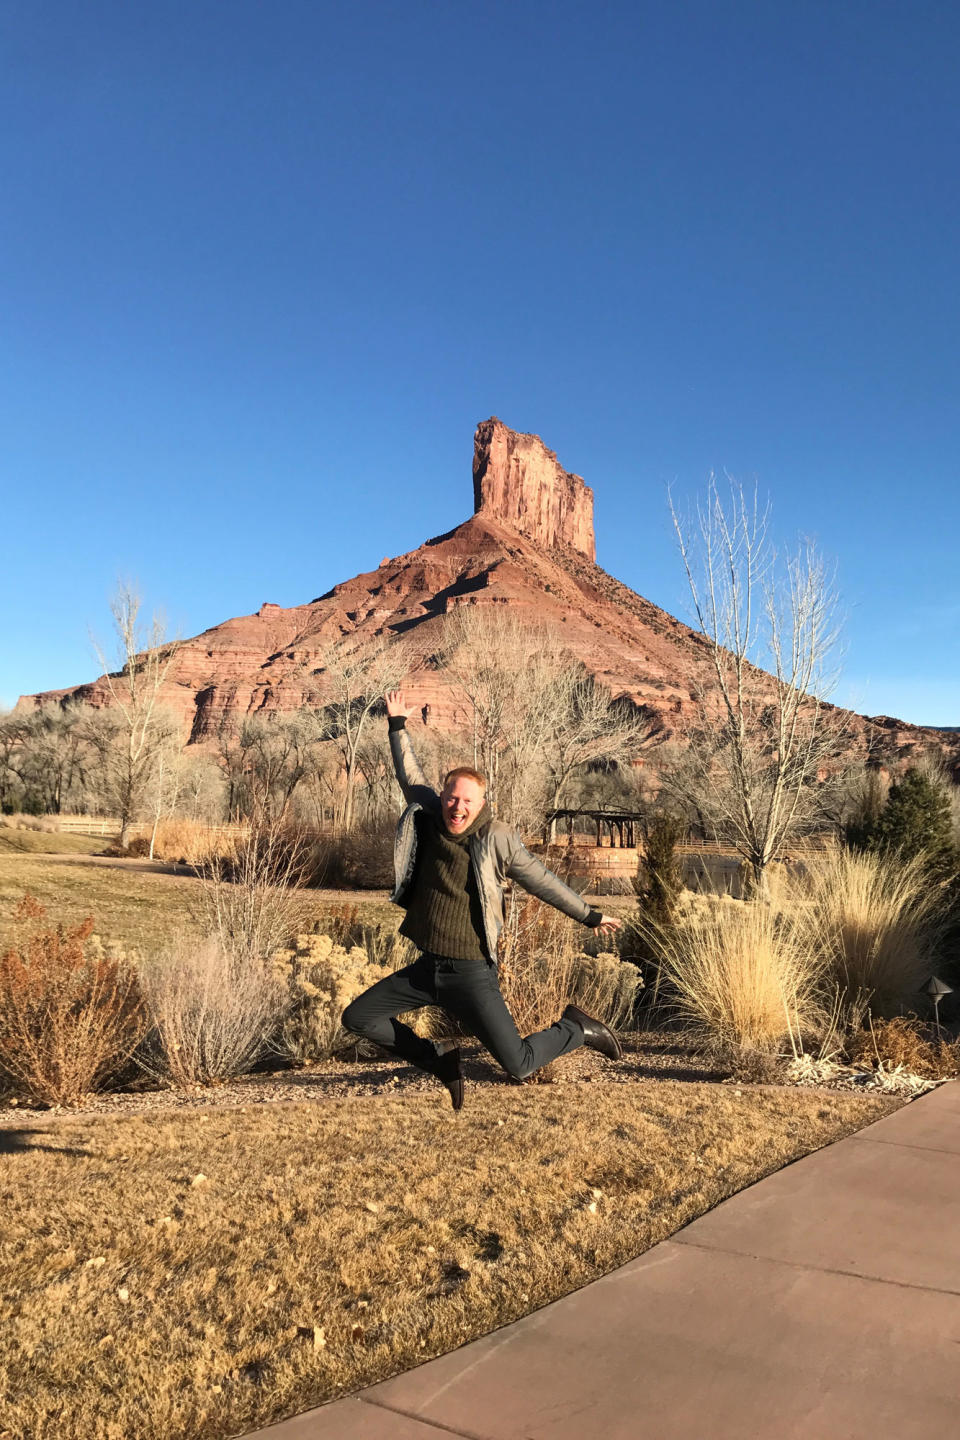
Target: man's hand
[(608, 923), (397, 703)]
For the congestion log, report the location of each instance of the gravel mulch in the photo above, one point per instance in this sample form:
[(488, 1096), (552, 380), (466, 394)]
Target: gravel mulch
[(651, 1056)]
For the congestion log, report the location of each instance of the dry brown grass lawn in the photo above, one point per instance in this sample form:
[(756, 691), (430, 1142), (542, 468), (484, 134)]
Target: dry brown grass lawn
[(332, 1244), (141, 908), (42, 842)]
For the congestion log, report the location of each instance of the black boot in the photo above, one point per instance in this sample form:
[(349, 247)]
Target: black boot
[(449, 1073), (595, 1033)]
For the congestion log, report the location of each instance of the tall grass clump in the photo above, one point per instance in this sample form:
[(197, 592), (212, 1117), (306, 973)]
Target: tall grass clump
[(190, 842), (874, 918), (214, 1013), (738, 973), (70, 1015)]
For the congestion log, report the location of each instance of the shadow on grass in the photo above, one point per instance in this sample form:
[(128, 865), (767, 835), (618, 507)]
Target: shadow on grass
[(19, 1142)]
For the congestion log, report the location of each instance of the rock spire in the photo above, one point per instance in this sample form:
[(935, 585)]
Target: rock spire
[(518, 481)]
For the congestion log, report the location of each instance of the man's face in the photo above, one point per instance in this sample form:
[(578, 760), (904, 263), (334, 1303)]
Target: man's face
[(461, 801)]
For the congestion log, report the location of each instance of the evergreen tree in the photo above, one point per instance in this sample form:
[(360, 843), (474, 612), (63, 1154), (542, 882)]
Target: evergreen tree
[(915, 821), (860, 829), (661, 880)]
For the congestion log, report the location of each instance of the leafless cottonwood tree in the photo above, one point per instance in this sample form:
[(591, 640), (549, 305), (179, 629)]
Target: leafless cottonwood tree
[(178, 780), (12, 730), (499, 666), (41, 754), (269, 759), (762, 734), (584, 726), (141, 727), (537, 717), (353, 683)]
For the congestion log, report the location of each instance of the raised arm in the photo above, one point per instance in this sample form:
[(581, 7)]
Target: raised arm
[(409, 773)]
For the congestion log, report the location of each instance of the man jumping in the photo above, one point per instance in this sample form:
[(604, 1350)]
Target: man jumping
[(452, 861)]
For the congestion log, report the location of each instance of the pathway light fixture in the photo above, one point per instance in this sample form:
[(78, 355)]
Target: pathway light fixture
[(936, 989)]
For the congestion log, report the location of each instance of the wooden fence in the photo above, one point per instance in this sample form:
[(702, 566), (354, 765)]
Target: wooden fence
[(109, 827)]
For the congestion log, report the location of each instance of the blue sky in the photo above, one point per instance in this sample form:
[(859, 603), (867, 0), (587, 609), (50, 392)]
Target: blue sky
[(264, 267)]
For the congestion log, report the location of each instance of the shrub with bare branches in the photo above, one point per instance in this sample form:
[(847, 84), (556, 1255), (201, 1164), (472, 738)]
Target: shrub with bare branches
[(214, 1012), (543, 969), (357, 859), (250, 899), (70, 1015)]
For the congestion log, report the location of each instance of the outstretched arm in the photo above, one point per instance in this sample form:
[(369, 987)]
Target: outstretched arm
[(534, 876), (406, 766)]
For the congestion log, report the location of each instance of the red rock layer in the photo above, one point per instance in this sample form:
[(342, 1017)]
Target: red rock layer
[(519, 482), (530, 547)]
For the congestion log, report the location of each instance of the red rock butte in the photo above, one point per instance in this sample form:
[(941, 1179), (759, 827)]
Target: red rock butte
[(519, 482), (530, 546)]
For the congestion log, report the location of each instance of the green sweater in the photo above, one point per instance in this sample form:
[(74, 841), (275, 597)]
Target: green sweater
[(444, 914)]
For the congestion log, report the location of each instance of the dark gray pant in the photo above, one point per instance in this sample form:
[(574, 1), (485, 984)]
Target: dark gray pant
[(469, 991)]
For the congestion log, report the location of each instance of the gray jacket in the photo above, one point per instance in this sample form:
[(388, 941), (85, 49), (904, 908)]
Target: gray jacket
[(497, 852)]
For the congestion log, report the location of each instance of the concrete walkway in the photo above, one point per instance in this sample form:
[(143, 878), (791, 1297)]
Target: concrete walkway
[(823, 1302)]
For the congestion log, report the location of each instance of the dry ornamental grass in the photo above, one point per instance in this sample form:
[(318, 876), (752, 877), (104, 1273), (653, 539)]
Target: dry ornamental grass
[(875, 921), (739, 973), (194, 1276)]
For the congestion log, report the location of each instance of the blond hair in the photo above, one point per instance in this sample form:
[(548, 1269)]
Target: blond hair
[(464, 772)]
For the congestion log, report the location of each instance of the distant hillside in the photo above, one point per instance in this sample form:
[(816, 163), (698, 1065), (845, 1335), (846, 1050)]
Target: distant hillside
[(530, 546)]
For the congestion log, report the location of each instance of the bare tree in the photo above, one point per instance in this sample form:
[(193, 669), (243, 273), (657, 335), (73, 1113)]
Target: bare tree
[(353, 685), (497, 664), (585, 726), (269, 759), (203, 791), (53, 753), (166, 780), (537, 716), (14, 731), (762, 736), (141, 728)]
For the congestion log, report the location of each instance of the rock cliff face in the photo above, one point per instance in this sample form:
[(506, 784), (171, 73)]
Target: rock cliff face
[(530, 547), (519, 482)]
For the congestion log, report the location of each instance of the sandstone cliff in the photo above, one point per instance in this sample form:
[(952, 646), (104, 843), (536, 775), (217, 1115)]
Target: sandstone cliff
[(519, 482)]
